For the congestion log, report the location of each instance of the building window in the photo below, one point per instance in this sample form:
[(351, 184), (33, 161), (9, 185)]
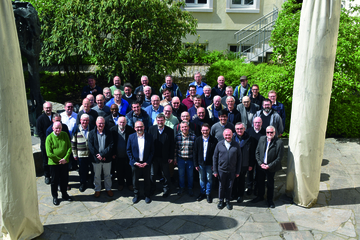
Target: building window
[(199, 5), (234, 48), (242, 6)]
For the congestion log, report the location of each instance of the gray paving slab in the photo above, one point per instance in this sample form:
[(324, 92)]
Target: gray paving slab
[(335, 216)]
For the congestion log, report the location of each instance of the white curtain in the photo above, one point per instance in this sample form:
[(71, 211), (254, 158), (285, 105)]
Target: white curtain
[(319, 25), (18, 194)]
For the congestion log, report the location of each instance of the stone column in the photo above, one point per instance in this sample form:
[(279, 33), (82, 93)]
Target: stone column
[(319, 25), (18, 194)]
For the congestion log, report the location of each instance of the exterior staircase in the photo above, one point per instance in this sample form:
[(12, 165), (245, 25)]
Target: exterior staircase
[(253, 40)]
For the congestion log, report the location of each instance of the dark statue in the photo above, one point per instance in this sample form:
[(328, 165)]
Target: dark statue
[(29, 30)]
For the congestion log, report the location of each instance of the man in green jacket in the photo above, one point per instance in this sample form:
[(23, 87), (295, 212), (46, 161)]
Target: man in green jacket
[(58, 150)]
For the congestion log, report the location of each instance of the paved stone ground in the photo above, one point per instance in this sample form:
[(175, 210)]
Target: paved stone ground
[(335, 216)]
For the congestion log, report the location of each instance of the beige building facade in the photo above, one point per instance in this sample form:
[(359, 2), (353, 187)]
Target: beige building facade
[(218, 20)]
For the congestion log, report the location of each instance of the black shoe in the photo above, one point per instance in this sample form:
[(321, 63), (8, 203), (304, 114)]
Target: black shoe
[(190, 192), (67, 198), (200, 197), (56, 201), (152, 192), (180, 191), (135, 199), (47, 181), (240, 200), (249, 191), (82, 188), (271, 204), (208, 198), (147, 200), (257, 199), (228, 205), (166, 194), (221, 205)]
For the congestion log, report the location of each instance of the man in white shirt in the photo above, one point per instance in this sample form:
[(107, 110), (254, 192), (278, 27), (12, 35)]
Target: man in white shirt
[(69, 117)]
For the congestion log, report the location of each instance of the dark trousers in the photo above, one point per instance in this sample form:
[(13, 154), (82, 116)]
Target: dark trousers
[(250, 178), (239, 183), (226, 181), (123, 171), (59, 175), (136, 174), (84, 169), (164, 167), (263, 174), (45, 160)]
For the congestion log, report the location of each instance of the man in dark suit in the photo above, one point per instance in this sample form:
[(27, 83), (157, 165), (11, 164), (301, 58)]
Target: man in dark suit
[(100, 143), (178, 108), (121, 133), (226, 165), (248, 146), (112, 119), (163, 137), (269, 152), (42, 124), (204, 147), (140, 150)]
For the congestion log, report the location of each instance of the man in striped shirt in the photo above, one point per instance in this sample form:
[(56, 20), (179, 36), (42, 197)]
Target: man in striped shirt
[(184, 145)]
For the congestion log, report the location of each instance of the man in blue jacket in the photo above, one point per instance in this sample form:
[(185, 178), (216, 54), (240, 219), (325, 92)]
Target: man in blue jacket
[(140, 150)]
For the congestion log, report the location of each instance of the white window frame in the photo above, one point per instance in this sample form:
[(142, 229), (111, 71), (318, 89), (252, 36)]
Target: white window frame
[(239, 8), (195, 7)]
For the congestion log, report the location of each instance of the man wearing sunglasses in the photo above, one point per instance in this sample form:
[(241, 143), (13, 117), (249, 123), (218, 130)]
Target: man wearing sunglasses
[(269, 153)]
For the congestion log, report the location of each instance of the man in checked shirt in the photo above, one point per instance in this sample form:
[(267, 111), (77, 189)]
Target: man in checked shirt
[(184, 145)]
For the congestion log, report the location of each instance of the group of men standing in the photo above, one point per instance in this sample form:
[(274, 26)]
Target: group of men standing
[(220, 133)]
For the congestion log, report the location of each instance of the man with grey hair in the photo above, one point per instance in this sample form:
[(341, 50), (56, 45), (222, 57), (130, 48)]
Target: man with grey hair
[(123, 105), (107, 94), (144, 82), (219, 89), (269, 153), (92, 113), (248, 146), (208, 95), (229, 92), (247, 111), (177, 107), (42, 124), (234, 115), (198, 84), (155, 108), (214, 109), (91, 100), (80, 150), (121, 133), (147, 99), (100, 143)]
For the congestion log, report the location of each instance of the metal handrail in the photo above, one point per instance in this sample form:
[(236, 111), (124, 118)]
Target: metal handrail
[(254, 22), (256, 32)]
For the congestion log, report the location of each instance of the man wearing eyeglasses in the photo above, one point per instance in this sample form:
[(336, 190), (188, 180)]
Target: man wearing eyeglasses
[(177, 108), (123, 105), (269, 152)]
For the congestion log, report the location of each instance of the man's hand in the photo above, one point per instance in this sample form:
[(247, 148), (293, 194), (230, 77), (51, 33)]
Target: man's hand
[(99, 157), (216, 175), (62, 161), (250, 168), (197, 168), (237, 175), (170, 160), (264, 166), (175, 162), (76, 158)]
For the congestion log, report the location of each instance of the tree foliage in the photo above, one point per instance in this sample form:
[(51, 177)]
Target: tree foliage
[(346, 84), (129, 38)]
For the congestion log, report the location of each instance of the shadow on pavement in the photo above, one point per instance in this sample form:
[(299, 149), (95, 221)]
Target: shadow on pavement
[(138, 227)]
